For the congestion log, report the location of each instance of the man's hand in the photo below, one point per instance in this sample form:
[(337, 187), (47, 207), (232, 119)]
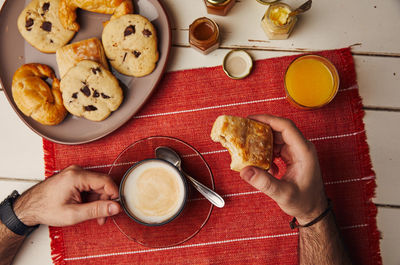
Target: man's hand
[(300, 191), (72, 196)]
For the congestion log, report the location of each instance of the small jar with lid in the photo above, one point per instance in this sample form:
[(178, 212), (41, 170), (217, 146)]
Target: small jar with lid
[(204, 35), (276, 22), (219, 7)]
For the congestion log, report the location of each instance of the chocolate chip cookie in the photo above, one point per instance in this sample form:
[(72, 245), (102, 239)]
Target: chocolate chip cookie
[(40, 26), (90, 91), (130, 43)]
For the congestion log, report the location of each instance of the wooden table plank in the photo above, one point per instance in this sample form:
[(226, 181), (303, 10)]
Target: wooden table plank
[(21, 152), (388, 221), (383, 138), (329, 24)]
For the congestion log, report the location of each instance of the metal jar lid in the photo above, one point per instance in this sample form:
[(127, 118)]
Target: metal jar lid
[(267, 2), (237, 64), (216, 2)]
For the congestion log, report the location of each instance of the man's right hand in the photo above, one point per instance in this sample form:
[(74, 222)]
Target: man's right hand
[(300, 192), (72, 196)]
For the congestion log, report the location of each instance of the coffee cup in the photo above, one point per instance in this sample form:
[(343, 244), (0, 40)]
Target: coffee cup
[(153, 192)]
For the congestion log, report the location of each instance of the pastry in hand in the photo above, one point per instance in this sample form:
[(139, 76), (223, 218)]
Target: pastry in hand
[(130, 43), (67, 11), (91, 91), (249, 142), (40, 26), (34, 97), (90, 49)]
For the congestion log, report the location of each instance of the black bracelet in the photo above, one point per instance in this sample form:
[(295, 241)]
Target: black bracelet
[(294, 224)]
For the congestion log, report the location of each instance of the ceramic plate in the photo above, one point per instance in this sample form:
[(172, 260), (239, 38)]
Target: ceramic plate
[(15, 51)]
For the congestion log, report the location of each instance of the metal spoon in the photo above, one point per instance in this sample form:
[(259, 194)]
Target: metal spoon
[(171, 156), (301, 9)]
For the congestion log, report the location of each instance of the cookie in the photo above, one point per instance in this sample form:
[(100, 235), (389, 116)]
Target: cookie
[(130, 44), (33, 96), (90, 91), (40, 26)]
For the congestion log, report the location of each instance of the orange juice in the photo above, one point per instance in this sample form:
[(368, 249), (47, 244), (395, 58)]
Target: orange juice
[(311, 81)]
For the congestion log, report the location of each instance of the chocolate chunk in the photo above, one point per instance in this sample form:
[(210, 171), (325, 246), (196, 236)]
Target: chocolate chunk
[(85, 90), (104, 96), (147, 33), (95, 70), (136, 53), (46, 26), (75, 95), (45, 7), (51, 41), (129, 30), (90, 108), (123, 60), (29, 23), (95, 94)]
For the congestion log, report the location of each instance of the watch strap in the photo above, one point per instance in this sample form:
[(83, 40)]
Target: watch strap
[(10, 219)]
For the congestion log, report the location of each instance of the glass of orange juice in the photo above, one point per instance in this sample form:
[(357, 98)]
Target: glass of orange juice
[(311, 81)]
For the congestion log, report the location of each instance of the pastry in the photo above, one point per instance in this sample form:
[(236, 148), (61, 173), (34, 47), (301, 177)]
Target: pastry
[(90, 91), (249, 142), (33, 96), (130, 43), (40, 26), (67, 11), (91, 49)]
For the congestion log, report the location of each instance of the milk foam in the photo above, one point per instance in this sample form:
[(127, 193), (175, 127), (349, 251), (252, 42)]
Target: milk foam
[(154, 192)]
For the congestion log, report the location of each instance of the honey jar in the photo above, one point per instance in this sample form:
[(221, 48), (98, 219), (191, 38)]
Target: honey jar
[(276, 22), (204, 35), (219, 7)]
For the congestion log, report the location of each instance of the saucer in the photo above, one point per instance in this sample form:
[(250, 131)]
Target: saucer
[(197, 210)]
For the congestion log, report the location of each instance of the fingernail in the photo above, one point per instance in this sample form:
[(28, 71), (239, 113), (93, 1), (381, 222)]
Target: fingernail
[(113, 209), (247, 174)]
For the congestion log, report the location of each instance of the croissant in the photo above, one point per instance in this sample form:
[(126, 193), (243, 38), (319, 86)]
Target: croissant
[(33, 96), (69, 55), (67, 10)]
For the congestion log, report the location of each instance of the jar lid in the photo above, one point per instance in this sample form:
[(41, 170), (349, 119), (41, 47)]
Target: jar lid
[(267, 2), (237, 64), (216, 2)]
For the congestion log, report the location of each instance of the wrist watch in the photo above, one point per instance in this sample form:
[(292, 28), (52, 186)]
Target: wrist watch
[(10, 219)]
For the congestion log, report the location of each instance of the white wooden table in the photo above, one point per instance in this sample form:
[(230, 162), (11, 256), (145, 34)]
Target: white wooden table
[(372, 26)]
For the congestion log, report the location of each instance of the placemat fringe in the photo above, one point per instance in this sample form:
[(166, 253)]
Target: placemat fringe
[(49, 158), (57, 246)]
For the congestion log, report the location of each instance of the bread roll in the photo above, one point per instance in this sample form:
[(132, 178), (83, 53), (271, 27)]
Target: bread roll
[(249, 142), (90, 49)]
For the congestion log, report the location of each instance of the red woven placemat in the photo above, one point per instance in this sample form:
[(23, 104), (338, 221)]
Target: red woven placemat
[(251, 228)]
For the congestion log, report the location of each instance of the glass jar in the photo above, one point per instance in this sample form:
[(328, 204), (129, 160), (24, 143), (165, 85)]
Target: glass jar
[(219, 7), (311, 81), (276, 22), (204, 35)]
